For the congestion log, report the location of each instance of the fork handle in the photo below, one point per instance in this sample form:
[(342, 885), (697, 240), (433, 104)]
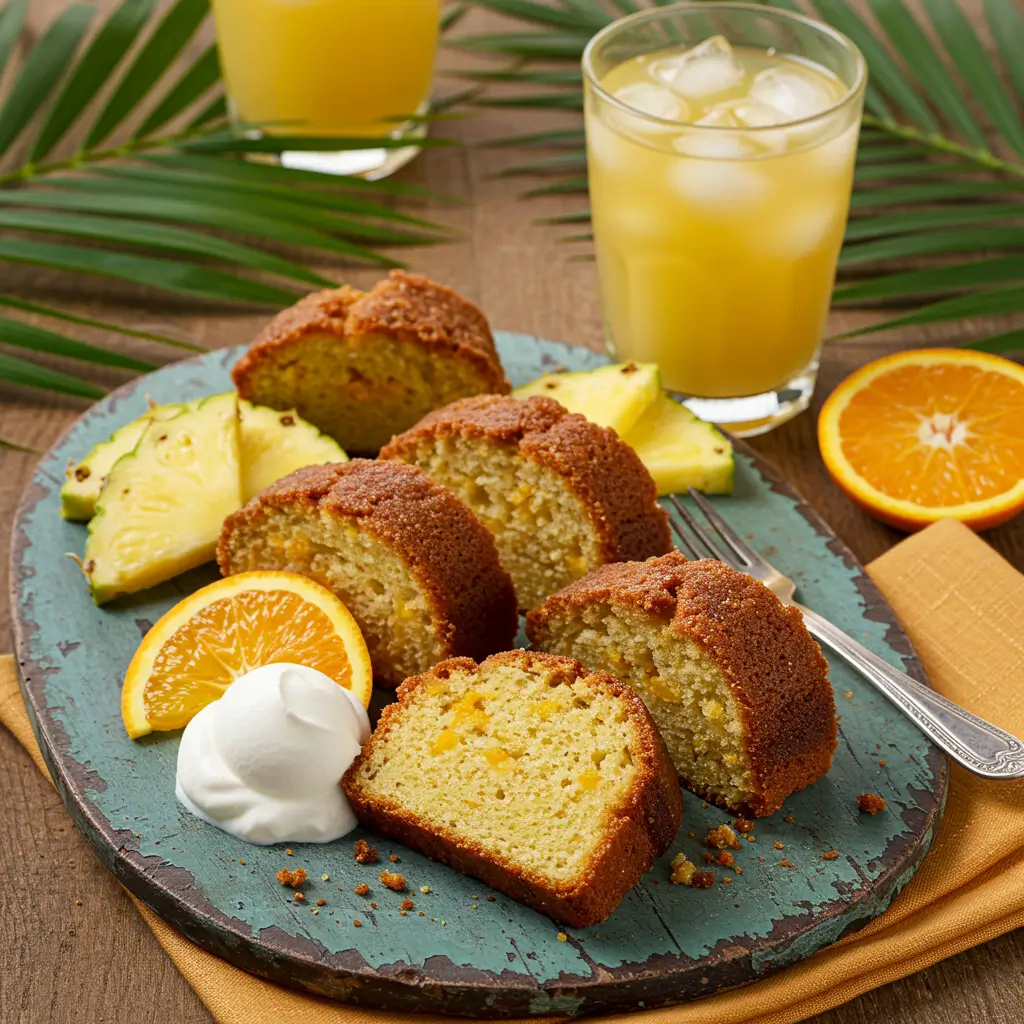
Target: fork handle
[(977, 745)]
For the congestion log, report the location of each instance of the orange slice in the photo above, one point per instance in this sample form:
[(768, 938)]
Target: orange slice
[(929, 434), (204, 643)]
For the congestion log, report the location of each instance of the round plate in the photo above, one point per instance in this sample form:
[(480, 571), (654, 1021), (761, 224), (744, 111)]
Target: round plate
[(467, 954)]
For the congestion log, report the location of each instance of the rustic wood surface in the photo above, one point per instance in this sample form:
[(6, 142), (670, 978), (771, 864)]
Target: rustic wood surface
[(94, 961)]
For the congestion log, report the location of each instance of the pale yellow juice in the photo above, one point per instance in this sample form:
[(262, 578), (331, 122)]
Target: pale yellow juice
[(327, 67), (719, 199)]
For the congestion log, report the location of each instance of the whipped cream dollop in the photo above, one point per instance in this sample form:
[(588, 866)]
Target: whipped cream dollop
[(265, 761)]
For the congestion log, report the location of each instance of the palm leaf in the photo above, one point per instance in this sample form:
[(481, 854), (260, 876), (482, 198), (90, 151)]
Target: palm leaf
[(150, 205), (933, 185)]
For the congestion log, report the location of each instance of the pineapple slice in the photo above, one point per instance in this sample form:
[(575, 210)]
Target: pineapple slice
[(160, 511), (680, 450), (274, 443), (612, 396), (85, 479)]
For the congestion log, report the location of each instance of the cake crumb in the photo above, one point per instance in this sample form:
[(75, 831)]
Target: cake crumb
[(420, 913), (703, 804), (881, 762), (325, 878), (78, 903), (490, 899), (321, 903), (703, 880), (830, 855), (242, 862), (682, 870), (402, 913), (870, 803), (725, 859), (709, 858), (848, 694), (290, 853), (722, 836), (739, 870), (362, 890), (424, 889), (562, 937), (300, 897), (357, 923), (777, 845), (727, 880), (786, 864), (393, 857), (691, 834), (751, 839), (407, 904), (760, 860), (392, 880), (743, 825), (373, 906), (365, 853), (292, 878), (788, 819)]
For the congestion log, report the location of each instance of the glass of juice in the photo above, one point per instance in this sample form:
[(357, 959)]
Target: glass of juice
[(721, 140), (350, 68)]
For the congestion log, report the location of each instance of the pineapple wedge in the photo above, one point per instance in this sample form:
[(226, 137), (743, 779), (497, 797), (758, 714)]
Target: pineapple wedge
[(271, 445), (274, 443), (612, 396), (160, 511), (680, 450), (85, 479)]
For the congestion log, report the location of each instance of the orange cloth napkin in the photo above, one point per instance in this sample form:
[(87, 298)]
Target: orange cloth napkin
[(963, 607)]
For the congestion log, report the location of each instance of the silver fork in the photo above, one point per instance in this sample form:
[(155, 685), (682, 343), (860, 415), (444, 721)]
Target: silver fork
[(979, 746)]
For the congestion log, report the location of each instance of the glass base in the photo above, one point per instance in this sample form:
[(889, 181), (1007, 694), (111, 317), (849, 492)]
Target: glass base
[(757, 414), (371, 164)]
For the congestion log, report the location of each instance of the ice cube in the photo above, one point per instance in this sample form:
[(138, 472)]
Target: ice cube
[(708, 68), (741, 114), (800, 232), (715, 145), (794, 95), (719, 177), (653, 100)]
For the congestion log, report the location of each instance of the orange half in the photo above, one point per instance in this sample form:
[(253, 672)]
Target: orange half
[(929, 434), (204, 643)]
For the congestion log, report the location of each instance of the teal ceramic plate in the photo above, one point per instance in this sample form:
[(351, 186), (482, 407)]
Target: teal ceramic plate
[(467, 955)]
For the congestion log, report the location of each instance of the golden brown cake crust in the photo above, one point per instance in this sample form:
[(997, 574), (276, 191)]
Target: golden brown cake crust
[(778, 676), (406, 306), (643, 828), (602, 470), (447, 548)]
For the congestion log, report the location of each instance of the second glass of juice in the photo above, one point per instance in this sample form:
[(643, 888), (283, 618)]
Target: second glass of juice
[(721, 140), (353, 68)]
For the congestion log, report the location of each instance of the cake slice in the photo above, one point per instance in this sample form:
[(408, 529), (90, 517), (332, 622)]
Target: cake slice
[(543, 780), (363, 366), (560, 494), (736, 685), (418, 572)]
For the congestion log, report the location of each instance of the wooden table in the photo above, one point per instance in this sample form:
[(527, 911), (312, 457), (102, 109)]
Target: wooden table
[(72, 948)]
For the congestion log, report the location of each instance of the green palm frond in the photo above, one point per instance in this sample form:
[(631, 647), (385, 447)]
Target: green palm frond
[(160, 192), (940, 169)]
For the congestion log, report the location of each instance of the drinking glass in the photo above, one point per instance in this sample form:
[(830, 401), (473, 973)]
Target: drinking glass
[(717, 235), (350, 68)]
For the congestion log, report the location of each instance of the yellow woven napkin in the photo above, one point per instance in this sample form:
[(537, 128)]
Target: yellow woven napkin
[(963, 607)]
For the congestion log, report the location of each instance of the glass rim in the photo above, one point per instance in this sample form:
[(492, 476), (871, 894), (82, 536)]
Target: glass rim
[(661, 13)]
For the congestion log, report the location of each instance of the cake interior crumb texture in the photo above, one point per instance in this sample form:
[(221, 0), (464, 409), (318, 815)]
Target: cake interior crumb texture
[(386, 599), (688, 696), (543, 531), (544, 771)]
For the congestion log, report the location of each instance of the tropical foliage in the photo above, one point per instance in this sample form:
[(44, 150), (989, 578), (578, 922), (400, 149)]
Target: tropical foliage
[(124, 166), (940, 172)]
